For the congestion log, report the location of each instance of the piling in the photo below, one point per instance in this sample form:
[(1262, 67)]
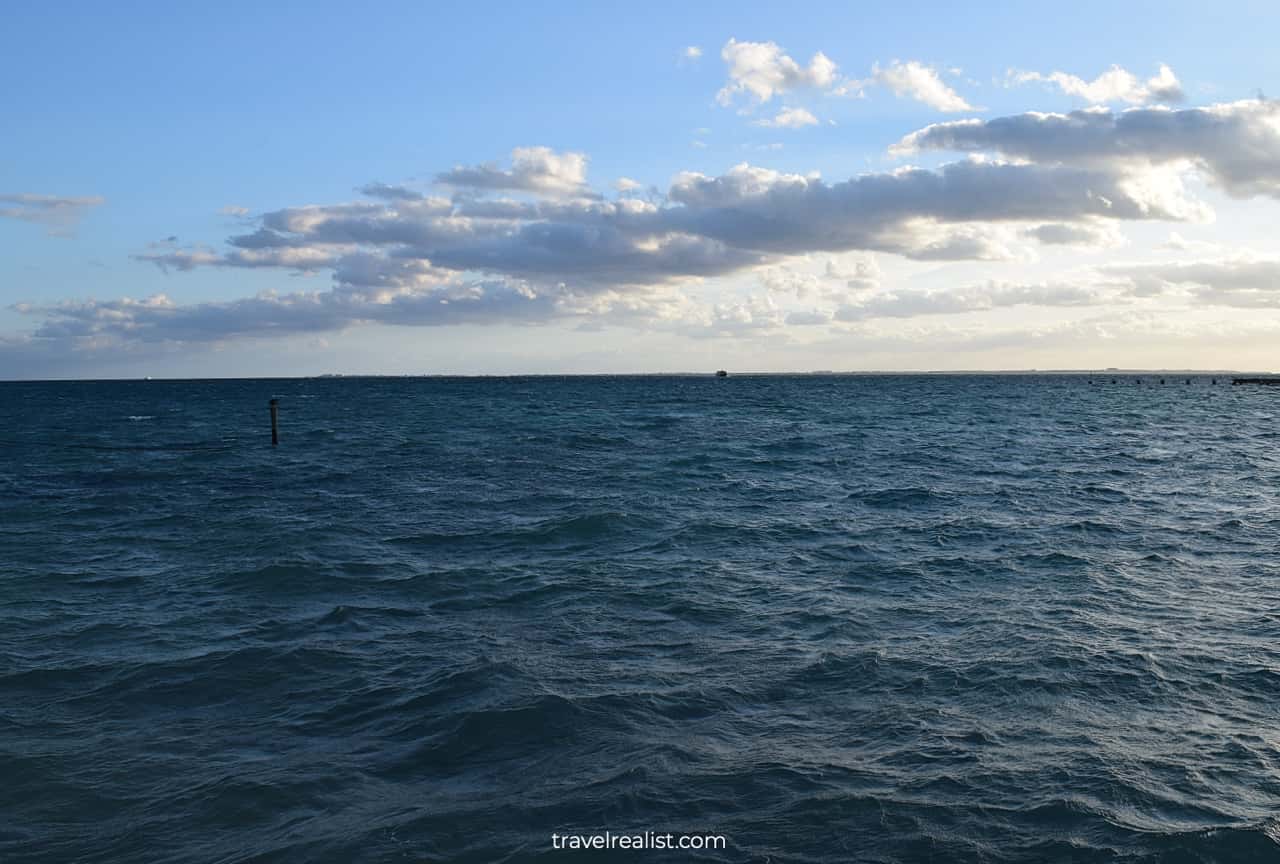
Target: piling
[(275, 422)]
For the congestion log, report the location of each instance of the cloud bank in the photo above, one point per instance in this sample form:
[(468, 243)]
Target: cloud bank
[(532, 240), (1234, 145)]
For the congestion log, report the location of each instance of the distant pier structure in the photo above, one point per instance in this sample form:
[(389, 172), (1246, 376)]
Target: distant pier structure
[(1272, 381)]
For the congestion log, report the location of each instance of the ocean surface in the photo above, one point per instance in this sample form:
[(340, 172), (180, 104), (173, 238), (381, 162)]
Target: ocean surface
[(828, 618)]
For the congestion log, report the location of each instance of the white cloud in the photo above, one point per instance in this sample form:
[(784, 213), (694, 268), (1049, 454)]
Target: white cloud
[(533, 169), (783, 280), (861, 273), (790, 118), (760, 71), (915, 80), (626, 184), (1115, 85), (691, 52)]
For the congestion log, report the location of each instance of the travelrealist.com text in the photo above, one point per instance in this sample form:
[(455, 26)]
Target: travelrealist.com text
[(645, 840)]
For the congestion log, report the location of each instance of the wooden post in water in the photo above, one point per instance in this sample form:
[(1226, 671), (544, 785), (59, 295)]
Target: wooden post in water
[(275, 422)]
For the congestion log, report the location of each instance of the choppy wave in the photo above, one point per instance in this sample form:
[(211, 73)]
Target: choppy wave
[(875, 619)]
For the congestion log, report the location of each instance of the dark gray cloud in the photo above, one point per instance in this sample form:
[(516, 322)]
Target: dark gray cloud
[(157, 319), (708, 226), (389, 192), (595, 256), (299, 258), (789, 214), (1235, 145)]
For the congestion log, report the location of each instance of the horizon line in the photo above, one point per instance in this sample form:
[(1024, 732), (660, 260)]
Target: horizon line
[(1109, 371)]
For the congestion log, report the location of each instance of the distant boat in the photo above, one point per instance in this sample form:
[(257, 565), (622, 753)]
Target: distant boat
[(720, 373)]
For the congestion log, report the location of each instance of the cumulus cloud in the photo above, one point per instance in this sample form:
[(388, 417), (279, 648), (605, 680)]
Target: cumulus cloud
[(842, 281), (1115, 85), (396, 257), (532, 241), (790, 118), (709, 225), (1235, 145), (691, 53), (859, 274), (539, 170), (760, 70), (915, 80), (60, 215)]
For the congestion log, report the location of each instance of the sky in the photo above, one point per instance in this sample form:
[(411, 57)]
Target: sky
[(242, 189)]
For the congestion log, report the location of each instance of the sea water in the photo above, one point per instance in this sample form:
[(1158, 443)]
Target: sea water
[(824, 618)]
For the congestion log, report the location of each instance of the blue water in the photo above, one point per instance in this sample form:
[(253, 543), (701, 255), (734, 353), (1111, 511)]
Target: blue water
[(876, 619)]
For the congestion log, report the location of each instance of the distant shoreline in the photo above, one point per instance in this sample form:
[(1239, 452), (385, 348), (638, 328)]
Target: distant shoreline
[(1115, 373)]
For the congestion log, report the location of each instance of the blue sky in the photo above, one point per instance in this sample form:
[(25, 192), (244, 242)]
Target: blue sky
[(138, 139)]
